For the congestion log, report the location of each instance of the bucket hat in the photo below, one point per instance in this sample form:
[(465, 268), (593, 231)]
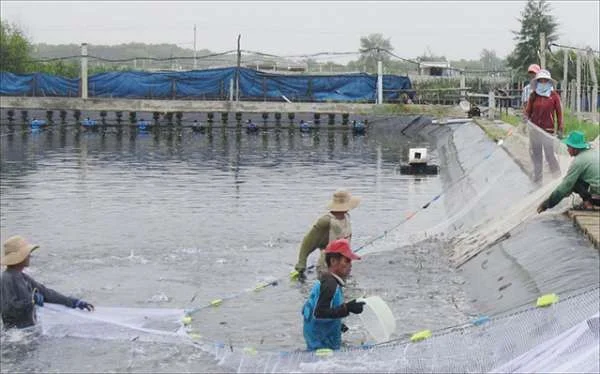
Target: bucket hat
[(15, 250), (576, 139), (343, 201), (341, 246), (544, 74)]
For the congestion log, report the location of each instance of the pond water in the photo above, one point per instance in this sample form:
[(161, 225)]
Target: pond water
[(175, 219)]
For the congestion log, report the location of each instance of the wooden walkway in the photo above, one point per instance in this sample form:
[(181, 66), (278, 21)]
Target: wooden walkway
[(589, 223)]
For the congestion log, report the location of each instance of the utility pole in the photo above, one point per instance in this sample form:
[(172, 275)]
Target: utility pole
[(84, 71), (237, 72), (195, 62), (379, 78), (543, 50)]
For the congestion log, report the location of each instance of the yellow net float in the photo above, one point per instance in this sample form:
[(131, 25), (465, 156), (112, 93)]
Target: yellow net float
[(421, 335), (546, 300), (324, 352)]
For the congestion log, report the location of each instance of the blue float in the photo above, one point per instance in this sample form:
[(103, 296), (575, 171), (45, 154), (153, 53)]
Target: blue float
[(197, 126), (251, 126), (305, 126), (143, 125), (88, 122), (37, 123), (359, 127)]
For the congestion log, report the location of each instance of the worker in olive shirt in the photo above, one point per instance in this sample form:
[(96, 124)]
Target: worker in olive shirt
[(19, 293), (331, 226), (583, 176), (325, 307)]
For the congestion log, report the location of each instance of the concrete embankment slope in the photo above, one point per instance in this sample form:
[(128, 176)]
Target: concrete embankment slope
[(509, 254), (587, 221)]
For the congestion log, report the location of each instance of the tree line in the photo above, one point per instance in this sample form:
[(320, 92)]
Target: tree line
[(19, 55)]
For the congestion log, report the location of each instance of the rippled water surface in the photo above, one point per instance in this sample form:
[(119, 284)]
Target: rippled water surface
[(175, 219)]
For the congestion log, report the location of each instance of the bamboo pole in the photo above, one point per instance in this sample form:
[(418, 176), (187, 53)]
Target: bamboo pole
[(594, 98), (565, 83), (578, 84)]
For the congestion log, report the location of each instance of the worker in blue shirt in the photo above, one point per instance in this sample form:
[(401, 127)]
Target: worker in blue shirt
[(325, 307)]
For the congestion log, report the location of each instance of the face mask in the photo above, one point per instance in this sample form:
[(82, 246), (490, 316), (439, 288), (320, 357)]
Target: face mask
[(543, 89)]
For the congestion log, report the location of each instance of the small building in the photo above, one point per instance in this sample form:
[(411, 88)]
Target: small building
[(437, 69)]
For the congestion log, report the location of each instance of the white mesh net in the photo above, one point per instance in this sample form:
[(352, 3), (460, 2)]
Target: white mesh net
[(560, 338), (563, 337), (107, 323), (526, 151)]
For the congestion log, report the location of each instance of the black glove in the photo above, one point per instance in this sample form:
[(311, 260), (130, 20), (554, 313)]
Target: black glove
[(83, 305), (344, 328), (354, 306), (301, 276)]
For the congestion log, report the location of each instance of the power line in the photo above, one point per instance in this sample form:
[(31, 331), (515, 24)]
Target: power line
[(575, 48), (130, 59), (257, 54), (401, 58), (449, 67)]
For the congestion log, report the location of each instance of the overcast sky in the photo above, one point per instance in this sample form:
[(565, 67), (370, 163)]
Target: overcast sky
[(450, 28)]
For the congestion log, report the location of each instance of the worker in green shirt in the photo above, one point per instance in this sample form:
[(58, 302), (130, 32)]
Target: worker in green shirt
[(329, 227), (583, 176)]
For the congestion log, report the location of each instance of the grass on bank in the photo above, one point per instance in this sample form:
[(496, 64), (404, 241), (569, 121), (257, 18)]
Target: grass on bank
[(591, 130), (570, 121)]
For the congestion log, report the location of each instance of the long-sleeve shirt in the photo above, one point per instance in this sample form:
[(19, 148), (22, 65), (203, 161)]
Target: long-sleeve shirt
[(319, 236), (585, 167), (525, 95), (541, 111), (16, 298), (329, 284)]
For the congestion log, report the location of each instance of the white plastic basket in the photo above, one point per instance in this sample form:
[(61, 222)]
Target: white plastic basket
[(378, 319)]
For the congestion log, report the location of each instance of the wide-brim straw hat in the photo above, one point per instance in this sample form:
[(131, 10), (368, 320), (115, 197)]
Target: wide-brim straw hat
[(15, 250), (343, 201)]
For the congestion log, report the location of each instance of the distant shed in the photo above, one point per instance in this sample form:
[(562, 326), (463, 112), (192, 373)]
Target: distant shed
[(437, 69)]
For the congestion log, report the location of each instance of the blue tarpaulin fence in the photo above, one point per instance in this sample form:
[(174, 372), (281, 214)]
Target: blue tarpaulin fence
[(213, 84)]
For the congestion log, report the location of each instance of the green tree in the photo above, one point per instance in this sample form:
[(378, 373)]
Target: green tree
[(59, 68), (14, 49), (535, 19), (555, 63), (371, 51), (490, 61)]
